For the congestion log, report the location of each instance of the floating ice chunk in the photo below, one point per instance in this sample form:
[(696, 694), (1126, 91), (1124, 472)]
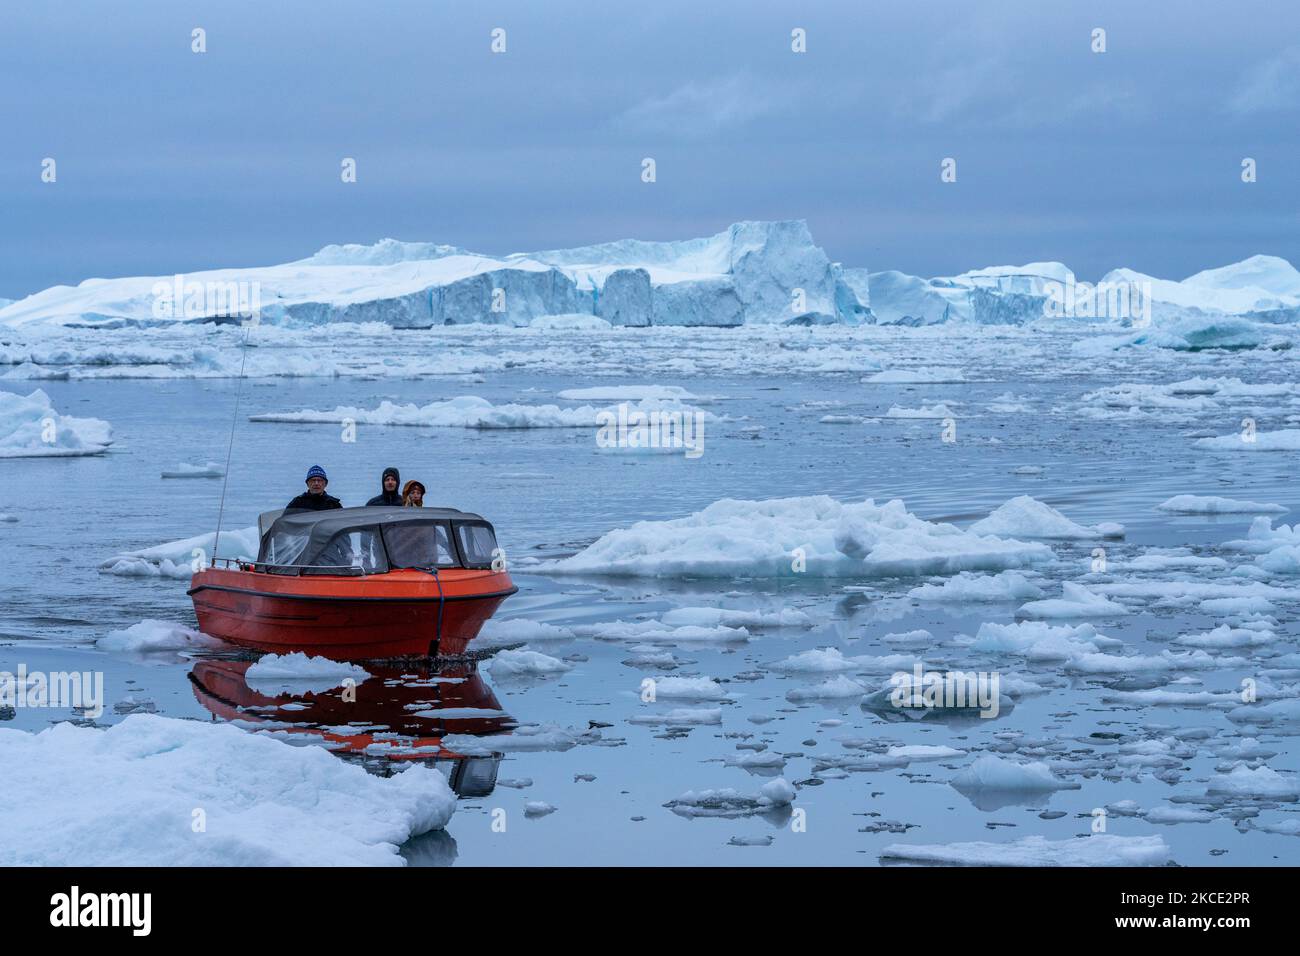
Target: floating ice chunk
[(917, 638), (833, 688), (176, 559), (525, 738), (925, 752), (995, 773), (774, 794), (1224, 636), (1283, 560), (628, 393), (770, 538), (1177, 815), (1171, 562), (1028, 517), (498, 632), (818, 661), (1212, 505), (758, 761), (31, 428), (534, 809), (1282, 716), (921, 375), (689, 688), (681, 717), (465, 411), (1262, 783), (1287, 439), (1237, 606), (1142, 663), (1098, 849), (524, 663), (657, 633), (764, 839), (1039, 641), (938, 410), (211, 469), (753, 619), (1193, 592), (298, 669), (1075, 601), (123, 796), (151, 636), (967, 587)]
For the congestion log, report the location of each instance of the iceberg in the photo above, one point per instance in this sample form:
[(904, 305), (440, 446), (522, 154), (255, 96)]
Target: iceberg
[(817, 535), (31, 428)]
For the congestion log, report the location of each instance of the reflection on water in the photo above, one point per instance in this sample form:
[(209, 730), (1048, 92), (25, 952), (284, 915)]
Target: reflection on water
[(396, 714)]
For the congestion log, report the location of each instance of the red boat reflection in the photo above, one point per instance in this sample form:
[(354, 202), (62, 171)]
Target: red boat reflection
[(398, 713)]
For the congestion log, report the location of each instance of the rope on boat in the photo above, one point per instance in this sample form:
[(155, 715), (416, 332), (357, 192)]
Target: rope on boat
[(230, 446)]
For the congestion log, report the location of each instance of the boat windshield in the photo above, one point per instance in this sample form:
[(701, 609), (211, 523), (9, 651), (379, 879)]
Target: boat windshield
[(360, 548), (478, 544), (421, 545)]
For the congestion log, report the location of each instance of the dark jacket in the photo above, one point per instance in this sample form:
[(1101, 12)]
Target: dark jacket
[(309, 502), (383, 498)]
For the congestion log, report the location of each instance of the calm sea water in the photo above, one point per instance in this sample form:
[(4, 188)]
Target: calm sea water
[(552, 491)]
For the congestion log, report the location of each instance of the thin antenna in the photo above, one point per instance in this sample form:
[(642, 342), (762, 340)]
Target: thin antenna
[(230, 446)]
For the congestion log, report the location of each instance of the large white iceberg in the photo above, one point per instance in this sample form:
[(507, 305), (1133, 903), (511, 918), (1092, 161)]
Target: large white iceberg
[(817, 535)]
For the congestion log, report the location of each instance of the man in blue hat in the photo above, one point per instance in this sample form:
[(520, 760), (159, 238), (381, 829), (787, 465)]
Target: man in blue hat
[(314, 499)]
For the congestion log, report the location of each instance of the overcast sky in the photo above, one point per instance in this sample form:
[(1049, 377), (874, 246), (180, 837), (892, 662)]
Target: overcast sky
[(173, 161)]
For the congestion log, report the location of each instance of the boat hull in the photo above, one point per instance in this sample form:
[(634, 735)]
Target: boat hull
[(348, 618)]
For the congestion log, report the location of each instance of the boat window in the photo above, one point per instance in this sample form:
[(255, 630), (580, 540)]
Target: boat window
[(419, 546), (286, 546), (361, 549), (478, 544)]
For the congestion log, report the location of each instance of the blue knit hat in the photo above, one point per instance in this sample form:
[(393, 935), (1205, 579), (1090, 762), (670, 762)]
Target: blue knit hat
[(316, 471)]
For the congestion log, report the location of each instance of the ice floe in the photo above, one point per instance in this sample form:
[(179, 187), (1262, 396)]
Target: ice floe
[(125, 797), (31, 428), (1098, 849), (1028, 517), (780, 537)]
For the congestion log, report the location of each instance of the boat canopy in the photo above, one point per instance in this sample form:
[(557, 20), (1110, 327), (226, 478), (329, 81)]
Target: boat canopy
[(374, 540)]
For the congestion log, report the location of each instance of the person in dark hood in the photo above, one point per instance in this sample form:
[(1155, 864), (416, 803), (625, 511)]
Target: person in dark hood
[(389, 495), (315, 498)]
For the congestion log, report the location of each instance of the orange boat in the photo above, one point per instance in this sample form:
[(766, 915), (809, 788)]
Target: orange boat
[(357, 584)]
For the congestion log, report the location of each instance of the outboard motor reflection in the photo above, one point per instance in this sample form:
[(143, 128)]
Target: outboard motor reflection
[(397, 714)]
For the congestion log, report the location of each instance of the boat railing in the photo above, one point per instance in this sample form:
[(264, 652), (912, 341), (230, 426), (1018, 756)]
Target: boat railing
[(293, 570)]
